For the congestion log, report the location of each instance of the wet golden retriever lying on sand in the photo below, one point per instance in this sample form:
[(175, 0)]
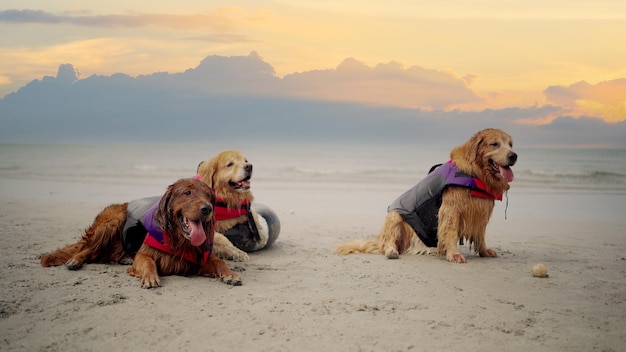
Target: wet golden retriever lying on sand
[(179, 240), (453, 203)]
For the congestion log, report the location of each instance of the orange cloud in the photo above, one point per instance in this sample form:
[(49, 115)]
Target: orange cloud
[(385, 84), (606, 100)]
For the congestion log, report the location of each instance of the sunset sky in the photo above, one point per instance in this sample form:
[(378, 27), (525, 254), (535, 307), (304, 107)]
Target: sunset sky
[(508, 53)]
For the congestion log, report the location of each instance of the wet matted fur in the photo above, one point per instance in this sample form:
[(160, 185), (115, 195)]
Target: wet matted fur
[(229, 174), (186, 204), (461, 216)]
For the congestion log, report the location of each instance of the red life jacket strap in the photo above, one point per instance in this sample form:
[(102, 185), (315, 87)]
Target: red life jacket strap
[(187, 255)]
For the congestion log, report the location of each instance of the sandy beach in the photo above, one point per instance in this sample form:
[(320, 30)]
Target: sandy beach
[(300, 296)]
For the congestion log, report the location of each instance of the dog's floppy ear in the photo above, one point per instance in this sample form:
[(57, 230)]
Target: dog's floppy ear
[(163, 213), (469, 152), (206, 171), (474, 146)]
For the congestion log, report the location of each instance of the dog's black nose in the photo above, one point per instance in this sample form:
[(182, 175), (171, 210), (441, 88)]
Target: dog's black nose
[(512, 158), (248, 168), (206, 209)]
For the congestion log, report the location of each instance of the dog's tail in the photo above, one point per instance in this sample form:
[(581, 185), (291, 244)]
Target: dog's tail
[(358, 246), (60, 256)]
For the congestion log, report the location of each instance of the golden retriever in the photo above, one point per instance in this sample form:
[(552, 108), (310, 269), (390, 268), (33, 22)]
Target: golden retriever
[(179, 241), (238, 227), (478, 172)]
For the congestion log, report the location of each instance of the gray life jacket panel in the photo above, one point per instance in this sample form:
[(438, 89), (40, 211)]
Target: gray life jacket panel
[(134, 231)]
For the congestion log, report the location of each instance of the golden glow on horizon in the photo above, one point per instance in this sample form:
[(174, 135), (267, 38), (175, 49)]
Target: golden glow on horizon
[(4, 80), (611, 112)]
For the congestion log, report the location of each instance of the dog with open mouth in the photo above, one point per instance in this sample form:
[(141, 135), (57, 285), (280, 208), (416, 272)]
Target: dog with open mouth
[(241, 226), (451, 204), (176, 239)]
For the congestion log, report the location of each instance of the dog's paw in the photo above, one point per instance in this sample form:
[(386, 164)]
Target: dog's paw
[(488, 252), (73, 264), (237, 255), (150, 281), (232, 279), (392, 253), (455, 257), (231, 253)]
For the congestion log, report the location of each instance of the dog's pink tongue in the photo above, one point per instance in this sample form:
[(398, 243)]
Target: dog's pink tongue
[(507, 173), (197, 233)]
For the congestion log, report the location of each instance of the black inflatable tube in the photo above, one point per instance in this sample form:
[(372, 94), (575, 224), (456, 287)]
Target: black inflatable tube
[(273, 223)]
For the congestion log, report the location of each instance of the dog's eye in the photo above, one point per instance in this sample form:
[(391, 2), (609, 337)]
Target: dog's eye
[(230, 164), (495, 144), (188, 193)]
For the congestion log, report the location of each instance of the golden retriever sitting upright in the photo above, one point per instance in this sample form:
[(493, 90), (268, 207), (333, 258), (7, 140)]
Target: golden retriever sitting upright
[(239, 229), (453, 203)]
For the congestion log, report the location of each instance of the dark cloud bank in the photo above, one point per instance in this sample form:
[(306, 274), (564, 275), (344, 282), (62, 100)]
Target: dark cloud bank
[(241, 98)]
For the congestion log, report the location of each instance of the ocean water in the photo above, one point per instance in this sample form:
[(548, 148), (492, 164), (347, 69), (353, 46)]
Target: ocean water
[(573, 170), (596, 176), (549, 170)]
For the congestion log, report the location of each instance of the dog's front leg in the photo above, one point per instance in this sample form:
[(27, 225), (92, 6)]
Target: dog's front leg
[(224, 249), (391, 235), (78, 259), (448, 236), (145, 268), (217, 268), (482, 249)]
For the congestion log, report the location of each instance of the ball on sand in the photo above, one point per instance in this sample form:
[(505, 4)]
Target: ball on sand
[(540, 270)]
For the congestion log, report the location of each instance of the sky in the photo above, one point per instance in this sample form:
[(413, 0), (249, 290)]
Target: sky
[(504, 54)]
